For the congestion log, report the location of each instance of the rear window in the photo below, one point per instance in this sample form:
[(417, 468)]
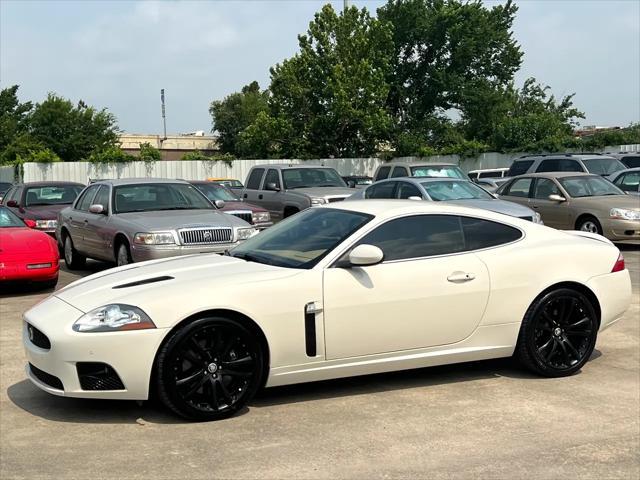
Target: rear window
[(519, 168), (479, 233), (559, 165), (603, 166)]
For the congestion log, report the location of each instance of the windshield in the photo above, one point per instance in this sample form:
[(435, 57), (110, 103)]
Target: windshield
[(302, 240), (589, 187), (215, 192), (148, 197), (603, 166), (463, 190), (450, 171), (5, 186), (311, 177), (9, 219), (52, 195)]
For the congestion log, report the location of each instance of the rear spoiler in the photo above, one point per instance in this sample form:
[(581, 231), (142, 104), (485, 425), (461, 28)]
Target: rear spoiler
[(592, 236)]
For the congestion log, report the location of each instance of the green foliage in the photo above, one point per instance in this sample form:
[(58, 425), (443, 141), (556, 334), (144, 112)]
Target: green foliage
[(38, 156), (149, 153), (111, 156), (623, 136), (195, 155), (236, 112), (266, 137), (199, 155), (13, 116)]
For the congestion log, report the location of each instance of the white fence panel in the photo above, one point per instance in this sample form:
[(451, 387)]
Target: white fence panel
[(7, 174)]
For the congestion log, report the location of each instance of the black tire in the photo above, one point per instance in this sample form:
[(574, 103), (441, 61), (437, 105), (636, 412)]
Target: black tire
[(73, 259), (558, 333), (123, 254), (209, 369), (49, 284), (589, 223), (288, 211)]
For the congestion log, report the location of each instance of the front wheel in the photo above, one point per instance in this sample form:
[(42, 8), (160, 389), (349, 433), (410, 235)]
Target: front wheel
[(123, 255), (209, 369), (590, 224), (558, 333), (72, 258)]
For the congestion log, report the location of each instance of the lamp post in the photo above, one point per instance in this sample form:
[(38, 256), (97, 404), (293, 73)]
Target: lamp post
[(164, 118)]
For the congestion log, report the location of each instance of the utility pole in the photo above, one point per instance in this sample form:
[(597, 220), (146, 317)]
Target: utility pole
[(347, 4), (164, 118)]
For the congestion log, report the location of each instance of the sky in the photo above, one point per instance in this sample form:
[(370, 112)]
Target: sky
[(118, 54)]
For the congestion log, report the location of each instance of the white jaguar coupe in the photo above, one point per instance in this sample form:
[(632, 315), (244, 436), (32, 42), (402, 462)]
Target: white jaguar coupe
[(340, 290)]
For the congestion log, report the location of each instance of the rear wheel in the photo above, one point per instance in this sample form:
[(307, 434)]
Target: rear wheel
[(590, 224), (72, 258), (558, 333), (209, 369)]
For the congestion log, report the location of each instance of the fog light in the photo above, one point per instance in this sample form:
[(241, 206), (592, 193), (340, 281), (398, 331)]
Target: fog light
[(35, 266)]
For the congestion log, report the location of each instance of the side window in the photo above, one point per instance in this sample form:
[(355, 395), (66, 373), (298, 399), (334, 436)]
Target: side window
[(519, 188), (84, 202), (519, 168), (406, 190), (474, 175), (544, 188), (102, 198), (382, 190), (631, 161), (383, 173), (479, 233), (399, 172), (253, 183), (417, 236), (9, 195), (629, 181), (559, 165), (272, 177)]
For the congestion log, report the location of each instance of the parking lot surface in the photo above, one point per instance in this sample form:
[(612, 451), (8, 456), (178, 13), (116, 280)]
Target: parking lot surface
[(486, 419)]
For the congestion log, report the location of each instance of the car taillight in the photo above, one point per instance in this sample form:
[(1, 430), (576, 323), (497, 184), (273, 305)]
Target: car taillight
[(619, 265)]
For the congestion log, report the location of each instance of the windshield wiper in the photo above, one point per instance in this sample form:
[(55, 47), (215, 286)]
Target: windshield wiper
[(179, 208), (248, 257)]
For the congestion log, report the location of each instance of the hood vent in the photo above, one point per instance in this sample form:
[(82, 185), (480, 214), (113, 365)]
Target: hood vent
[(144, 282)]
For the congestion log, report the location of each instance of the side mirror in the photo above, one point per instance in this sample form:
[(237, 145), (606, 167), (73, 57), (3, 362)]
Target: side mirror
[(273, 187), (364, 255), (30, 223), (12, 203), (557, 198), (414, 197), (97, 209), (351, 184), (219, 203)]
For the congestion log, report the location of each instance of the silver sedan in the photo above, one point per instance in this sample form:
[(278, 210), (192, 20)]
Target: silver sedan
[(133, 220)]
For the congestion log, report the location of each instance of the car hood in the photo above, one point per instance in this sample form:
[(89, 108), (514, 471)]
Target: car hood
[(143, 284), (43, 212), (498, 206), (606, 202), (24, 240), (175, 219), (232, 206), (324, 191)]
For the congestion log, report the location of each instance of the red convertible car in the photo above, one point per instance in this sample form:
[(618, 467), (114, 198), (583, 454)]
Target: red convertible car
[(26, 254)]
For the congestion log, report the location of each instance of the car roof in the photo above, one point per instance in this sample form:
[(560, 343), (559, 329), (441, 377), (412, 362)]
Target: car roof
[(481, 170), (558, 175), (557, 156), (134, 181), (283, 166), (49, 184), (423, 179), (418, 164)]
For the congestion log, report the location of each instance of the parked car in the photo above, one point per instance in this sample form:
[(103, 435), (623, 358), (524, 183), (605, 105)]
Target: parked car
[(357, 181), (133, 220), (347, 289), (226, 201), (41, 202), (227, 182), (566, 162), (26, 254), (476, 175), (577, 201), (287, 189), (629, 159), (406, 169), (4, 187), (463, 192), (627, 180), (491, 184)]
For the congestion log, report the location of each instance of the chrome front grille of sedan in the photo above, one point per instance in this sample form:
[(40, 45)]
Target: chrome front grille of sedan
[(205, 236)]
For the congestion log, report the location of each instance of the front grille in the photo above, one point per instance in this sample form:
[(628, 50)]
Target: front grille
[(98, 376), (205, 236), (46, 378), (335, 199), (527, 218), (38, 338), (247, 217)]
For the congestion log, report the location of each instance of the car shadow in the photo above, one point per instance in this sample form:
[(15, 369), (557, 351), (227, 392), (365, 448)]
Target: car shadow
[(628, 247)]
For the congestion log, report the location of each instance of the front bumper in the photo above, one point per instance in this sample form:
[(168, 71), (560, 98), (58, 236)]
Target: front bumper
[(130, 353), (141, 253), (615, 229), (17, 270)]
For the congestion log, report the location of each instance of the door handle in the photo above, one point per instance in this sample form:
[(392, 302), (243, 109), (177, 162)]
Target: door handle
[(245, 195), (460, 277), (86, 221), (260, 197), (535, 206)]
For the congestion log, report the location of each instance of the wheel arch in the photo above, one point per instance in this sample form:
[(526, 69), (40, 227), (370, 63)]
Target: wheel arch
[(117, 240), (583, 216), (579, 287)]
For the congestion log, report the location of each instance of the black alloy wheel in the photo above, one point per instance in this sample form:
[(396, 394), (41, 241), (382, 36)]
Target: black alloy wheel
[(558, 333), (210, 369)]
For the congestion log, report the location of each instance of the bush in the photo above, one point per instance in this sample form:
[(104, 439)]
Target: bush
[(110, 156), (149, 153), (38, 156)]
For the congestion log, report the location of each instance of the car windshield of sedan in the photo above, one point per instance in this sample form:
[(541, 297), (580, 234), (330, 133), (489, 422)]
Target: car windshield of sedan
[(8, 219), (603, 166), (311, 177), (447, 171), (149, 197), (302, 240), (589, 187), (214, 191), (453, 190), (52, 195)]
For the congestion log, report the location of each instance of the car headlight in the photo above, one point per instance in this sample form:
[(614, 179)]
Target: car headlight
[(537, 218), (160, 238), (46, 224), (113, 318), (318, 201), (244, 233), (624, 214), (259, 217)]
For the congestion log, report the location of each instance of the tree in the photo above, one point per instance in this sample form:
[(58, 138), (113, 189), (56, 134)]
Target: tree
[(267, 137), (236, 112), (72, 132), (149, 153), (329, 99), (13, 116)]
